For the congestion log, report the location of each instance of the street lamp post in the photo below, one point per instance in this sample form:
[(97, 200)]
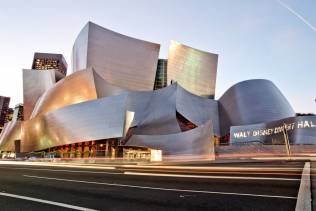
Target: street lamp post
[(286, 140)]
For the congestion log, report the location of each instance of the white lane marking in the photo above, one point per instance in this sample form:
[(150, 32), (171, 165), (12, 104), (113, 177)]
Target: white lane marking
[(304, 197), (60, 170), (209, 177), (161, 189), (46, 201), (214, 168)]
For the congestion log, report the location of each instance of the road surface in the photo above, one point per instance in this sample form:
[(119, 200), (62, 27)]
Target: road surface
[(248, 186)]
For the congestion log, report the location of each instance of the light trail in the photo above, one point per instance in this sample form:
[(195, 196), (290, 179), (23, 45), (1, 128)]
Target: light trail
[(219, 172), (161, 189), (157, 171), (210, 177), (213, 168), (159, 167), (56, 165), (60, 170)]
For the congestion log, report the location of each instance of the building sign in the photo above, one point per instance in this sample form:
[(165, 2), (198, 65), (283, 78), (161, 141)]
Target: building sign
[(301, 130)]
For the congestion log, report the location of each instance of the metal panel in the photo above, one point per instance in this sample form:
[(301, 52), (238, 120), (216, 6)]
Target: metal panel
[(159, 116), (197, 109), (80, 50), (138, 102), (198, 141), (35, 83), (93, 120), (251, 102), (68, 114), (121, 60), (193, 69), (129, 116), (75, 88), (10, 133), (104, 88)]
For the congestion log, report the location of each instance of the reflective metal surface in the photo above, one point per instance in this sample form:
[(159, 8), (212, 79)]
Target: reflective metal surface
[(129, 116), (35, 83), (121, 60), (155, 112), (159, 115), (104, 88), (198, 141), (10, 133), (93, 120), (75, 88), (193, 69), (251, 102), (197, 109), (149, 113), (80, 50)]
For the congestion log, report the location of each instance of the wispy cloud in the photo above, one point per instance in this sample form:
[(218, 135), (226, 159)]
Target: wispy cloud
[(297, 15)]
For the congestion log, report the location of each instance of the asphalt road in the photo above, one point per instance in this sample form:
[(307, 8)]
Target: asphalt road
[(269, 186)]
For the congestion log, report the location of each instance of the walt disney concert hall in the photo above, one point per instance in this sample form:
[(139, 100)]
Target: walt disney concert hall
[(121, 98)]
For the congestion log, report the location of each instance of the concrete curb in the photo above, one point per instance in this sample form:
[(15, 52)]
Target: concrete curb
[(304, 197)]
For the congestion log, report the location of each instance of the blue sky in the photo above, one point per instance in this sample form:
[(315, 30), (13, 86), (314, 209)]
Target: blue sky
[(254, 38)]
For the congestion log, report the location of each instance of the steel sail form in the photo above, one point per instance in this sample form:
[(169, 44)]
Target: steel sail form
[(116, 57), (251, 102)]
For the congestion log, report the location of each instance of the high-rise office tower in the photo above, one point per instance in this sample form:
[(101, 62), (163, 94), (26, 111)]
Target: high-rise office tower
[(4, 106), (50, 61)]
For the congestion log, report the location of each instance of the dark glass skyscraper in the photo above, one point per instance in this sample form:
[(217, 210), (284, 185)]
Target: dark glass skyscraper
[(161, 74), (4, 107)]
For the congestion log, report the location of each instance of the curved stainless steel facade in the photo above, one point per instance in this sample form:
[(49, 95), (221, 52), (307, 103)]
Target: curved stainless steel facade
[(93, 120), (104, 88), (115, 56), (80, 50), (10, 133), (193, 69), (35, 83), (75, 88), (81, 86), (159, 115), (154, 114), (251, 102), (197, 109), (198, 141)]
